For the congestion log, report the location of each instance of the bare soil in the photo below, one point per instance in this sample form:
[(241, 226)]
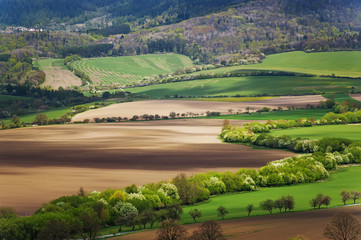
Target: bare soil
[(164, 107), (57, 77), (356, 96), (278, 227), (38, 164)]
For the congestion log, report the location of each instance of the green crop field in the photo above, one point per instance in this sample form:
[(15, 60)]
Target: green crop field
[(344, 179), (129, 69), (45, 64), (285, 115), (5, 98), (250, 86), (352, 132), (52, 114), (340, 98), (345, 64)]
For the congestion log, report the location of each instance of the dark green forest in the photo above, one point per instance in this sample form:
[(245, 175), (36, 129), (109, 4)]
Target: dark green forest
[(30, 13)]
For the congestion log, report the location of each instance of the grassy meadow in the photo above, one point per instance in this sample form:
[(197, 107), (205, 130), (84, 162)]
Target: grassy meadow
[(343, 63), (352, 132), (250, 86), (5, 98), (344, 179), (123, 70), (44, 64), (285, 115)]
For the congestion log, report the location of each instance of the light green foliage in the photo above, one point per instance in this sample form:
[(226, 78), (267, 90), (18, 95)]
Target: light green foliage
[(215, 186), (343, 179)]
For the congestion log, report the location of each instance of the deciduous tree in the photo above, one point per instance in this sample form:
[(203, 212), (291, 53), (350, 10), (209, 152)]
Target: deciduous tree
[(343, 226)]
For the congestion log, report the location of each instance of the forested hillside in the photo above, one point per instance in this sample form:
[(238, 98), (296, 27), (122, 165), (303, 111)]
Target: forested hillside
[(39, 12), (245, 32)]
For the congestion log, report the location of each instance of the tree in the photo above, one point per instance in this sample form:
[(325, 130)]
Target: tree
[(317, 201), (7, 212), (326, 200), (314, 203), (267, 205), (90, 224), (171, 230), (126, 213), (279, 203), (209, 230), (222, 211), (55, 229), (355, 195), (190, 191), (15, 122), (343, 226), (41, 119), (249, 209), (289, 202), (345, 196), (151, 217), (195, 213)]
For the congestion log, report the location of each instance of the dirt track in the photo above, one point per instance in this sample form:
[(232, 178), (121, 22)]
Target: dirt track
[(164, 107), (41, 163), (270, 227)]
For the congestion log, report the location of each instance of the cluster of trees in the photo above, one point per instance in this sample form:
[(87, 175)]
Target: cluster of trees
[(19, 69), (320, 200), (41, 44), (284, 203), (87, 51), (113, 30), (85, 79), (172, 230), (354, 195), (150, 117), (258, 133), (38, 99)]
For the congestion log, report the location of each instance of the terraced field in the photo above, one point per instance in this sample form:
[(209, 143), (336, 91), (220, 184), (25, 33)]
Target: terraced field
[(123, 70)]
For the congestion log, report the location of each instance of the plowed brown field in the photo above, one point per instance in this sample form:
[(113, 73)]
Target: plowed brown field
[(39, 164), (164, 107), (270, 227)]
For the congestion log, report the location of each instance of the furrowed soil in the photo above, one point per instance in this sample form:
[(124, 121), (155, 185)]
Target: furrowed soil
[(280, 226), (164, 107), (38, 164), (58, 77)]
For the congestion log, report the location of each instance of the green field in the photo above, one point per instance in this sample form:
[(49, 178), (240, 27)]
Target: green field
[(352, 132), (250, 86), (285, 115), (52, 114), (5, 98), (344, 179), (345, 64), (340, 98), (44, 64), (129, 69)]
